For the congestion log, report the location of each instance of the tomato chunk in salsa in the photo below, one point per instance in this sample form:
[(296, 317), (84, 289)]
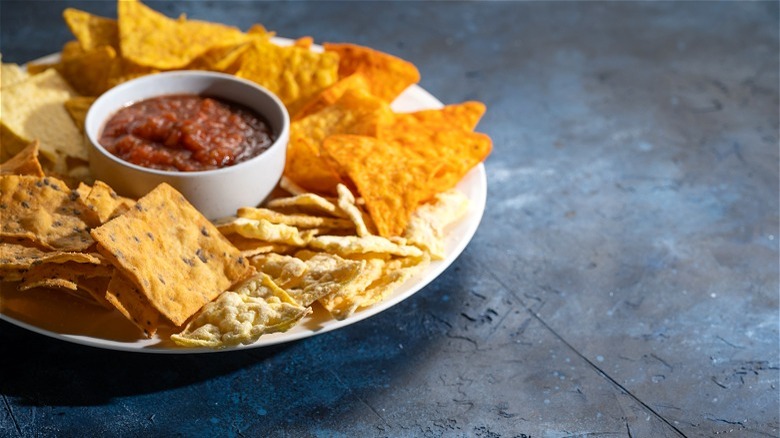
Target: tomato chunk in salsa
[(185, 133)]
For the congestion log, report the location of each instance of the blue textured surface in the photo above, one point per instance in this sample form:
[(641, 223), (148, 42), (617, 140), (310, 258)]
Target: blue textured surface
[(624, 281)]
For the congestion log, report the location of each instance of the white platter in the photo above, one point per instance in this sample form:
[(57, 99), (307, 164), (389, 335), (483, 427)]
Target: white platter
[(57, 315)]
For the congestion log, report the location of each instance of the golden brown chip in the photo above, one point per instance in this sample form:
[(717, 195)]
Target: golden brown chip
[(284, 270), (464, 116), (131, 302), (16, 256), (88, 72), (309, 203), (177, 258), (151, 39), (388, 75), (92, 31), (347, 204), (24, 163), (42, 211)]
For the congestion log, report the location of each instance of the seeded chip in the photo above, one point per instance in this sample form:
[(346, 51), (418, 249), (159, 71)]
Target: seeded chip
[(16, 256), (105, 204), (388, 75), (151, 39), (42, 211), (177, 258), (254, 308), (132, 303), (24, 163)]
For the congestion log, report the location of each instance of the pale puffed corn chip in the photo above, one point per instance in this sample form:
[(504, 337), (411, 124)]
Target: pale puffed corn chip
[(254, 308)]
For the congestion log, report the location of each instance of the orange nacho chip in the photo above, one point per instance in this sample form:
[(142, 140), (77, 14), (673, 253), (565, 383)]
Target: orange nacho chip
[(387, 74), (391, 195), (356, 112)]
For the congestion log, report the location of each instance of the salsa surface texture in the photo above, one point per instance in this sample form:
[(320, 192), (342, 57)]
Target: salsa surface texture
[(185, 133)]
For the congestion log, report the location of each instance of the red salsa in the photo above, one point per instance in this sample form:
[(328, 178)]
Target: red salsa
[(185, 133)]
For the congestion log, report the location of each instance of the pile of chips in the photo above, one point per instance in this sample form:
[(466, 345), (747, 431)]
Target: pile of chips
[(371, 190)]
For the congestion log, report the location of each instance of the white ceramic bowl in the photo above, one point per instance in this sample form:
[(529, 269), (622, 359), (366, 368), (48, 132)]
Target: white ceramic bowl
[(216, 193)]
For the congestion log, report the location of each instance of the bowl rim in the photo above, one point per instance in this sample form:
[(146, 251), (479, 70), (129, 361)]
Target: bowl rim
[(282, 138)]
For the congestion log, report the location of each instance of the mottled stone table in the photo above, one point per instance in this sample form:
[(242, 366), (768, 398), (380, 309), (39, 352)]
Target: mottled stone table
[(623, 282)]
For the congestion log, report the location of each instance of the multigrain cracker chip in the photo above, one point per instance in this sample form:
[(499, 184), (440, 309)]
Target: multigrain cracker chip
[(131, 302), (151, 39), (24, 163), (104, 204), (43, 212), (16, 256), (176, 257), (254, 308), (388, 75)]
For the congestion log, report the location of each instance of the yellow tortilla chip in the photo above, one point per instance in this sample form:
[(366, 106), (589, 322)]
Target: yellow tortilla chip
[(149, 38), (91, 31), (330, 95), (34, 109), (11, 73), (464, 116), (24, 163), (176, 257), (77, 108), (293, 73)]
